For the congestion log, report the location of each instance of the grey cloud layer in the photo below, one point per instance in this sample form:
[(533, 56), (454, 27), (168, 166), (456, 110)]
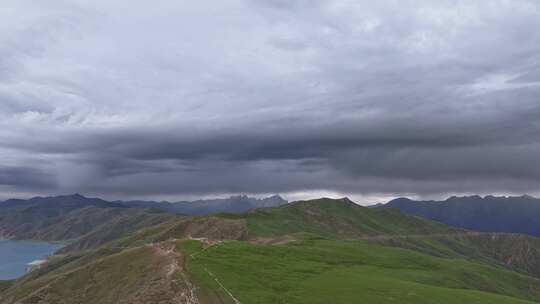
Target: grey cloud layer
[(211, 97)]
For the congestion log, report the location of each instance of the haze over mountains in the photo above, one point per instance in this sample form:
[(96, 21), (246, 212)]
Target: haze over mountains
[(233, 204), (519, 214)]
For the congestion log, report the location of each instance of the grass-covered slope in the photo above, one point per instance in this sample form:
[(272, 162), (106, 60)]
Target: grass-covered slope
[(329, 218), (324, 271), (516, 252), (308, 271), (342, 219), (336, 219)]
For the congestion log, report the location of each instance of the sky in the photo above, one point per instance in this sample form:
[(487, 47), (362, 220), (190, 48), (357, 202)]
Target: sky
[(184, 99)]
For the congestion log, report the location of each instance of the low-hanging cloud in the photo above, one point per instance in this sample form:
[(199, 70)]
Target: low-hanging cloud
[(203, 98)]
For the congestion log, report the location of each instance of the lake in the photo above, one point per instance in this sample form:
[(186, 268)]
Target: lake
[(15, 255)]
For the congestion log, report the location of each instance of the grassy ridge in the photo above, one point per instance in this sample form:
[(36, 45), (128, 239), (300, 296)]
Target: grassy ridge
[(324, 271), (337, 219)]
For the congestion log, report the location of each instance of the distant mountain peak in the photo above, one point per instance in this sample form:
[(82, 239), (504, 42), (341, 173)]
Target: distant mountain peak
[(76, 196), (398, 201), (233, 204), (402, 199), (274, 197), (347, 200), (516, 214), (240, 196), (467, 197)]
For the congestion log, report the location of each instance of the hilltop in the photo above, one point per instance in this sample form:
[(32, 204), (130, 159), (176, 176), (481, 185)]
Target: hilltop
[(336, 218)]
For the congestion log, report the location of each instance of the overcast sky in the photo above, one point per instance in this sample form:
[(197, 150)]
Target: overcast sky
[(180, 99)]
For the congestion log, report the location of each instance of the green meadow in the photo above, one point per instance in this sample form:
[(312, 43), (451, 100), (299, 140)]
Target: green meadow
[(326, 271)]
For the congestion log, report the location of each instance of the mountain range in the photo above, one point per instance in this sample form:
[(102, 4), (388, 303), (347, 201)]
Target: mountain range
[(315, 251), (518, 214), (233, 204), (86, 222), (79, 221)]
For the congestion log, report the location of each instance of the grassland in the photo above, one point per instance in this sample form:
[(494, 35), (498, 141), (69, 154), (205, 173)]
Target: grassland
[(515, 252), (325, 271)]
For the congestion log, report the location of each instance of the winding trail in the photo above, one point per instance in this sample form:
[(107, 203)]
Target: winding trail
[(236, 301), (175, 265), (213, 244)]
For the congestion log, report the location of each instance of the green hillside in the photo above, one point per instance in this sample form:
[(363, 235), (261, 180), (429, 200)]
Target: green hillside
[(322, 271), (336, 219), (309, 271), (320, 251), (328, 218), (512, 251)]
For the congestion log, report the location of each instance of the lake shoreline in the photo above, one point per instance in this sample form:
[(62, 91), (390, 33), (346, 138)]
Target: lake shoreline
[(15, 239), (17, 255)]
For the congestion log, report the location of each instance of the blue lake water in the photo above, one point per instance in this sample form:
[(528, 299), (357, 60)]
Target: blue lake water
[(15, 255)]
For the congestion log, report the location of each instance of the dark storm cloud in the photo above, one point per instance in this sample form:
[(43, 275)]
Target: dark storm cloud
[(25, 178), (415, 97)]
